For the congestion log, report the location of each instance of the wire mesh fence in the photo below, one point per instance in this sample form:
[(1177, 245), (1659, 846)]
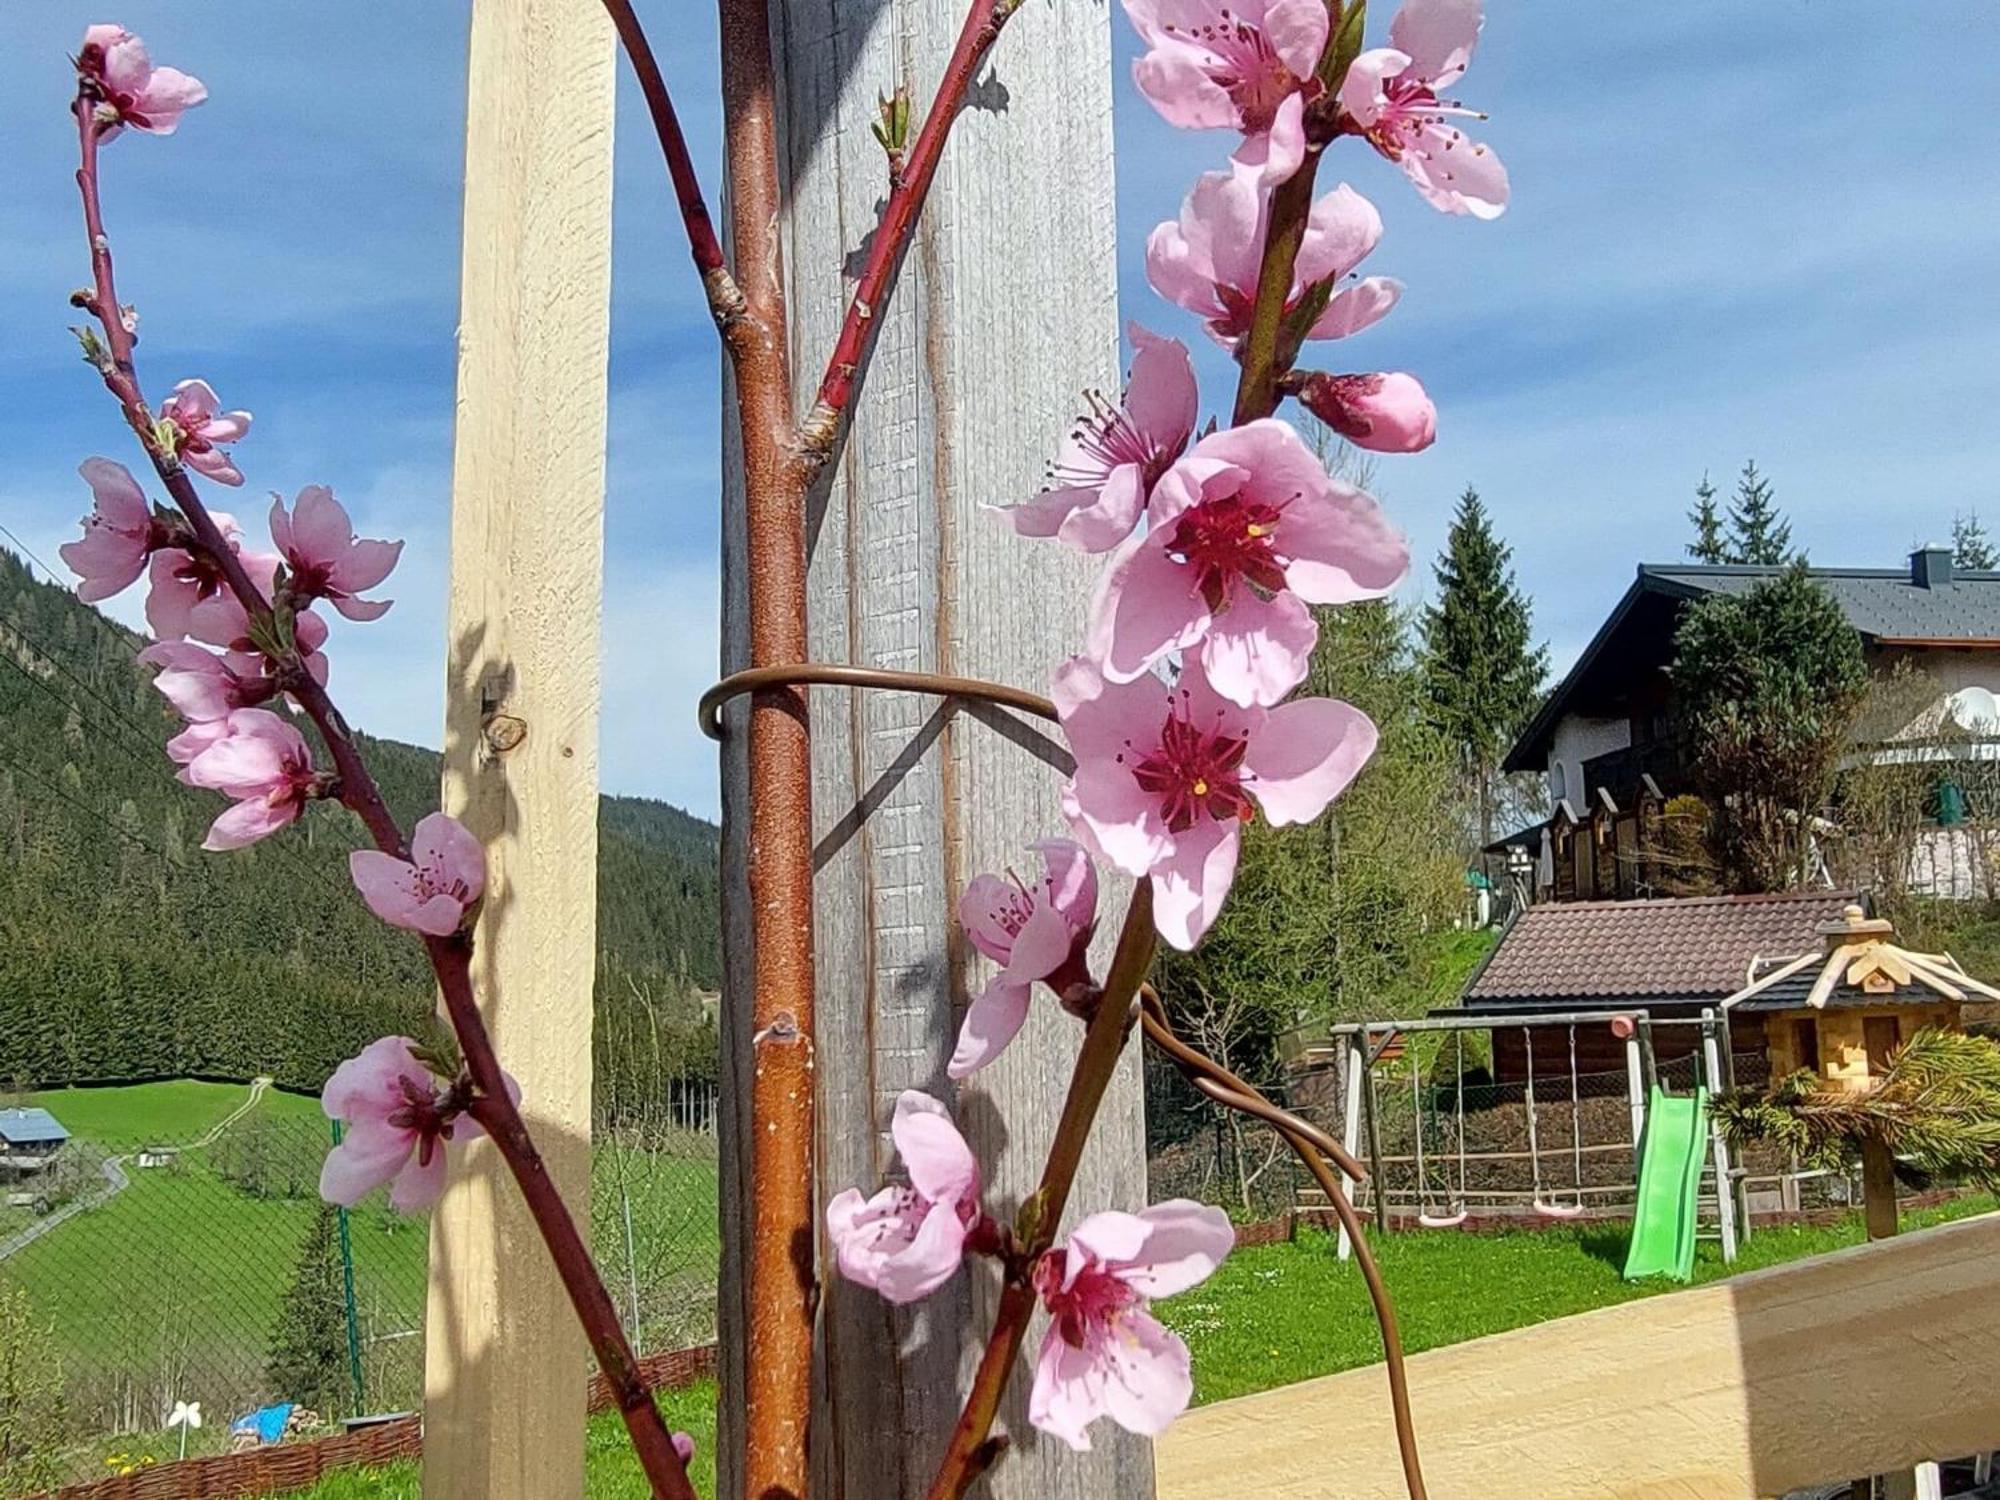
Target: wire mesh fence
[(177, 1265)]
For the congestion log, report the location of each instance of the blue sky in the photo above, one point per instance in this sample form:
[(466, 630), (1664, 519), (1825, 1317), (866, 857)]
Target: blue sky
[(1736, 230)]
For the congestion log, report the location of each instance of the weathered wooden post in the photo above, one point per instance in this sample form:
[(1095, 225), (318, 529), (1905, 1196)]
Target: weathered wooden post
[(1005, 313), (505, 1361)]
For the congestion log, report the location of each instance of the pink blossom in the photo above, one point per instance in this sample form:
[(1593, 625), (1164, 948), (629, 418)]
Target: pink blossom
[(1208, 261), (1243, 534), (397, 1115), (1166, 777), (202, 686), (223, 621), (326, 559), (434, 888), (265, 765), (1244, 66), (182, 579), (117, 534), (1105, 1354), (684, 1446), (1392, 94), (134, 92), (1108, 465), (202, 427), (1389, 413), (186, 747), (1040, 931), (905, 1242)]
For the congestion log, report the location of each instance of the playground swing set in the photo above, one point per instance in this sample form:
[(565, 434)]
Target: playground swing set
[(1672, 1146)]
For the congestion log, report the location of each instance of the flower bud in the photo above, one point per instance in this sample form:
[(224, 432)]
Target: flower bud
[(1384, 413)]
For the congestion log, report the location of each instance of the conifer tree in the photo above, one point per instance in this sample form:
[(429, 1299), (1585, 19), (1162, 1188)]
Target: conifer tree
[(1710, 544), (1970, 546), (1759, 532), (308, 1361), (1482, 672)]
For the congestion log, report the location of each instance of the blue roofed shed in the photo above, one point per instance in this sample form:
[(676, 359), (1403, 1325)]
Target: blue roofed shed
[(29, 1139)]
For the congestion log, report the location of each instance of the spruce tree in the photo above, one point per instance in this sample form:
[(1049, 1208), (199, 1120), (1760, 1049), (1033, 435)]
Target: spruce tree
[(1970, 546), (1482, 672), (308, 1362), (1710, 544), (1759, 532)]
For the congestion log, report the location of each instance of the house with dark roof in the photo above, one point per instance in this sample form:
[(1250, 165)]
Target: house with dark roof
[(29, 1140), (1606, 744), (1670, 958)]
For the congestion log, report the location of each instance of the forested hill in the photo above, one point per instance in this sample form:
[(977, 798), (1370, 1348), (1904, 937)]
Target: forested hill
[(128, 952)]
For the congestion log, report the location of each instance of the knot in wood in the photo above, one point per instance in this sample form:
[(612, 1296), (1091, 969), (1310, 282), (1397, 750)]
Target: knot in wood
[(504, 732)]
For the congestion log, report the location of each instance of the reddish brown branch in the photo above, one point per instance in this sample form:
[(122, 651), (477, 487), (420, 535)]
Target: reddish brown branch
[(911, 186), (450, 957), (725, 299), (780, 1288)]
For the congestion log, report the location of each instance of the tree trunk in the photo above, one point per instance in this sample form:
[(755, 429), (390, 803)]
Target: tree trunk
[(1005, 312)]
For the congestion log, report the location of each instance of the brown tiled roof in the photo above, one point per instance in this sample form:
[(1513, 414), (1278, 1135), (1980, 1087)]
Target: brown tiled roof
[(1691, 947)]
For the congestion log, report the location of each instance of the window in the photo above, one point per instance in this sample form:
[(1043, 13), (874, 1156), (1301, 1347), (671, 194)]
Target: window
[(1558, 784)]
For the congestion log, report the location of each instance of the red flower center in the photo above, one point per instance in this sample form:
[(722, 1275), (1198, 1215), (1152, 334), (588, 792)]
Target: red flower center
[(1107, 439), (1195, 771), (1228, 539), (1243, 64), (1092, 1302)]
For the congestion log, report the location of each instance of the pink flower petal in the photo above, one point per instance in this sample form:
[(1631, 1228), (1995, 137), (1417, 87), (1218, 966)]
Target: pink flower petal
[(993, 1020), (1185, 1241), (1151, 1383), (980, 913), (1258, 649), (1309, 751), (1192, 881), (1146, 604), (940, 1164)]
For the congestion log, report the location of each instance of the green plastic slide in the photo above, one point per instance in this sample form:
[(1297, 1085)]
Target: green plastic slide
[(1670, 1162)]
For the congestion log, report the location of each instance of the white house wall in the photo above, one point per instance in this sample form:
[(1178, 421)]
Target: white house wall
[(1576, 740)]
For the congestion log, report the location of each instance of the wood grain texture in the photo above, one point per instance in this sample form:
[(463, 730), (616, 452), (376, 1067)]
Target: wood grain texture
[(505, 1359), (1006, 311), (1860, 1362)]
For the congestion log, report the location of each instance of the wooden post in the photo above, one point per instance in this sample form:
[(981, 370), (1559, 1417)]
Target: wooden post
[(1878, 1188), (1005, 313), (505, 1362), (1350, 1123), (1725, 1192)]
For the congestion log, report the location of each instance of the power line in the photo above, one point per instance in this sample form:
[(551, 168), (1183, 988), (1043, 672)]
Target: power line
[(27, 552)]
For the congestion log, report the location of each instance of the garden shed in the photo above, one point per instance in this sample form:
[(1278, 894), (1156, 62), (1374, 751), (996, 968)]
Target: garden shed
[(29, 1140)]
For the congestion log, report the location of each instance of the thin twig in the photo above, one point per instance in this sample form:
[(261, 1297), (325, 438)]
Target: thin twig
[(725, 298), (844, 368), (450, 958)]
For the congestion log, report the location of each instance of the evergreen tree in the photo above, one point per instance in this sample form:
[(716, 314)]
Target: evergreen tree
[(1710, 544), (308, 1361), (1970, 546), (1759, 532), (1482, 673), (1768, 684)]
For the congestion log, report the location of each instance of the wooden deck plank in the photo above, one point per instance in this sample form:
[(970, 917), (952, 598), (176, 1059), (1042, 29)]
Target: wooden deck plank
[(1858, 1362)]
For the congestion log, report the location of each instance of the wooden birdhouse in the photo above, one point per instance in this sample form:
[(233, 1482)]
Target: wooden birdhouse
[(1841, 1012)]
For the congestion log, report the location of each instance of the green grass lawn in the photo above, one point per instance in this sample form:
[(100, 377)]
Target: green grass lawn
[(173, 1287), (1287, 1312), (143, 1114)]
